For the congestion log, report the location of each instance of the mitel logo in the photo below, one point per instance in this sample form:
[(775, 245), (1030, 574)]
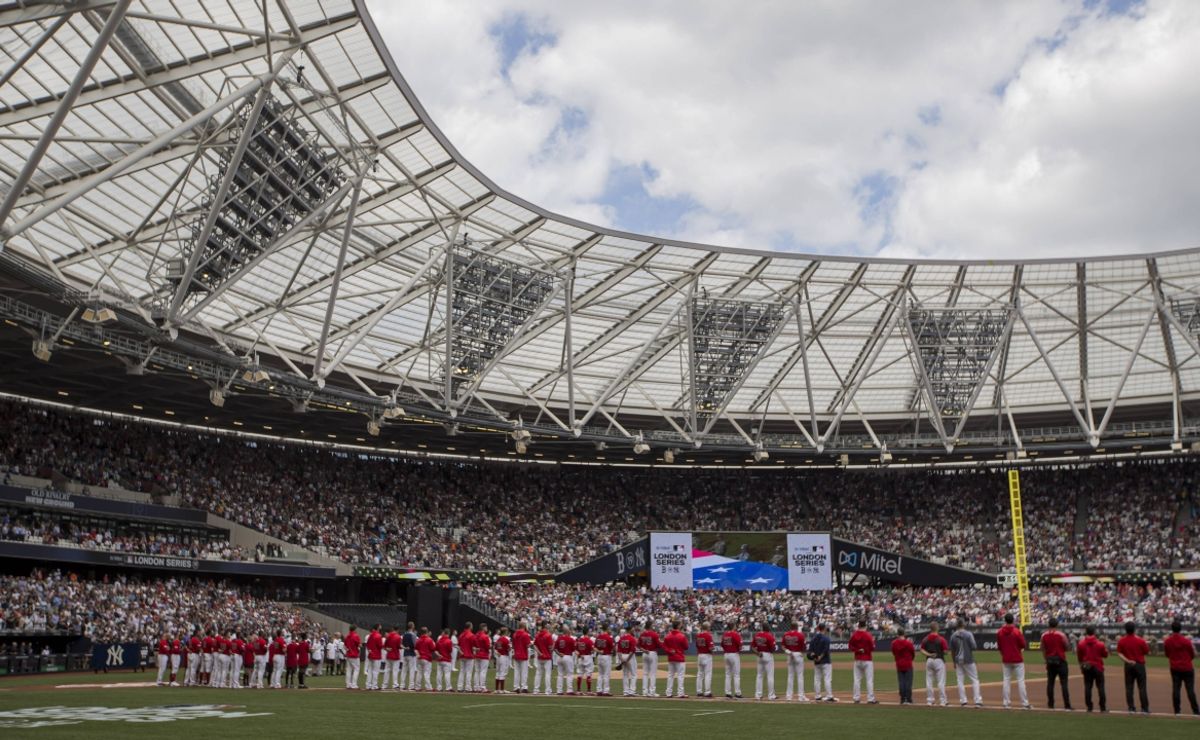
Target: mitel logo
[(875, 562)]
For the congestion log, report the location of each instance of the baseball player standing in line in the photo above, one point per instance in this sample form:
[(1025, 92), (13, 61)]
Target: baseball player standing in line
[(194, 646), (627, 661), (426, 649), (704, 670), (391, 653), (861, 646), (1054, 649), (676, 645), (605, 646), (962, 650), (934, 648), (903, 653), (483, 654), (1011, 643), (352, 645), (521, 642), (1132, 649), (819, 653), (409, 658), (466, 658), (650, 646), (585, 661), (543, 643), (445, 661), (564, 651), (763, 643), (260, 660), (731, 646), (793, 647), (502, 648)]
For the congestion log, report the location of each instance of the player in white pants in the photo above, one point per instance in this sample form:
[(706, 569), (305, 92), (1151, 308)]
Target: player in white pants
[(410, 672), (543, 671), (221, 674), (1013, 672), (193, 662), (765, 674), (864, 671), (964, 672), (566, 673), (278, 666), (445, 661), (704, 658), (935, 680), (164, 657), (627, 662), (604, 674), (650, 645), (795, 674)]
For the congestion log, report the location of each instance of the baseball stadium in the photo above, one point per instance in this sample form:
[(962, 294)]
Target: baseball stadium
[(294, 398)]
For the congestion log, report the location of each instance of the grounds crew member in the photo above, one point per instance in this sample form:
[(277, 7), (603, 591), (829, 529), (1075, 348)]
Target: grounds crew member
[(1054, 648), (1091, 652)]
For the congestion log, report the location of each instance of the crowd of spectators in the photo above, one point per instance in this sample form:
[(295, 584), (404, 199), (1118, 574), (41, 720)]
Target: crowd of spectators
[(52, 528), (380, 509), (883, 609), (128, 609)]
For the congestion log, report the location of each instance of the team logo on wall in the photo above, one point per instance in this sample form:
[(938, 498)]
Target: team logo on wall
[(32, 717)]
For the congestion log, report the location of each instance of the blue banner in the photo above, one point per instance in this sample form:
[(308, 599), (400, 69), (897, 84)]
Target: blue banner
[(116, 655)]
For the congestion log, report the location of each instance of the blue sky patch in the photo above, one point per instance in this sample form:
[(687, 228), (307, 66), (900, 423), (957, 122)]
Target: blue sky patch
[(515, 34)]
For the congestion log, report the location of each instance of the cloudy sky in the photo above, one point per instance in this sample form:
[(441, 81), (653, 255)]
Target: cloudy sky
[(916, 128)]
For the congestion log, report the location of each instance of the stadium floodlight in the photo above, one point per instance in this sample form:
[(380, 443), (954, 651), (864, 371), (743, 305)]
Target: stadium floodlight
[(393, 411), (669, 456), (217, 397), (639, 446), (41, 350), (761, 455), (1177, 446), (885, 457), (519, 433), (373, 428), (98, 315), (520, 447)]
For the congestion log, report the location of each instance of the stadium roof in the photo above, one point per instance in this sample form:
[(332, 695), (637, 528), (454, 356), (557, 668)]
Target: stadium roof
[(126, 129)]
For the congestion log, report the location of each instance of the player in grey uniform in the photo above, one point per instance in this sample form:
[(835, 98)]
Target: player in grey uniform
[(962, 650)]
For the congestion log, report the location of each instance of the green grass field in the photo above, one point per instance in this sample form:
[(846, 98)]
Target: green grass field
[(332, 712)]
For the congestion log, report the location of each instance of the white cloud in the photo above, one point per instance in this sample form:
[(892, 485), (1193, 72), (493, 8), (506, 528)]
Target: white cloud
[(771, 116)]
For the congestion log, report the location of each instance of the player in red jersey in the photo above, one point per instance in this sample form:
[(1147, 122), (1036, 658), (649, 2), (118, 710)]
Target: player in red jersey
[(503, 650), (260, 660), (292, 661), (445, 661), (521, 642), (277, 651), (704, 658), (236, 646), (794, 645), (248, 661), (466, 658), (1181, 657), (164, 658), (605, 645), (731, 645), (585, 661), (206, 664), (1054, 650), (564, 652), (1091, 652), (353, 647), (425, 648), (374, 657), (627, 661), (305, 653), (543, 643), (220, 674), (1132, 650), (763, 644), (391, 646), (1011, 644), (195, 657), (650, 646), (903, 653), (483, 654), (675, 644), (861, 645)]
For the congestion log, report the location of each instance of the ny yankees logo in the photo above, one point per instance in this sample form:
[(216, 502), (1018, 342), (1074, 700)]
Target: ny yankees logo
[(116, 655)]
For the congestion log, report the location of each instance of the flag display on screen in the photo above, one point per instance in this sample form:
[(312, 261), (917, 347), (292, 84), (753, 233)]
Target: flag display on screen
[(741, 561)]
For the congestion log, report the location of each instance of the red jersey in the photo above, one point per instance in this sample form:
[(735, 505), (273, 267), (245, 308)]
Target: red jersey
[(763, 642), (731, 641), (260, 646), (226, 646), (482, 643), (1011, 642), (585, 646), (520, 645), (210, 644), (465, 646), (1180, 651), (564, 645), (352, 644), (392, 644), (293, 655), (648, 641), (195, 645), (704, 643), (445, 648), (1054, 644), (176, 647), (862, 645), (374, 646), (164, 647), (248, 652), (544, 644), (277, 647), (604, 644), (1133, 648), (503, 645), (793, 641), (903, 652), (305, 652), (626, 644), (425, 647), (676, 644), (237, 646), (1093, 651)]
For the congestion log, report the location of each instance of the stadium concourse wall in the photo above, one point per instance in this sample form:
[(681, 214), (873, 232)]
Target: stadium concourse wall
[(849, 558)]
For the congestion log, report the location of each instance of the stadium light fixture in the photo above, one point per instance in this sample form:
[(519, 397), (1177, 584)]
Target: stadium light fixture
[(217, 397), (520, 447), (761, 455), (885, 457), (41, 350), (373, 428), (639, 445), (393, 412), (255, 374), (669, 456), (98, 315)]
